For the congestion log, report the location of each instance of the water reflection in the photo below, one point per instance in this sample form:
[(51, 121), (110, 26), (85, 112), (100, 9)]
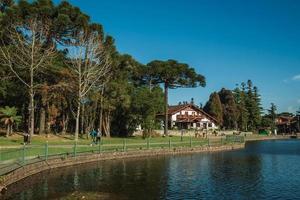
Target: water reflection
[(264, 170)]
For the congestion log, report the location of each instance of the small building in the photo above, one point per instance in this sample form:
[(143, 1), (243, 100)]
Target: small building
[(288, 124), (189, 116)]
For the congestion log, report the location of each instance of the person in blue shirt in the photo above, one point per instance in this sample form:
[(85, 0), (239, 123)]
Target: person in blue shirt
[(93, 134)]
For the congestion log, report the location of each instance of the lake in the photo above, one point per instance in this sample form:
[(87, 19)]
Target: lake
[(263, 170)]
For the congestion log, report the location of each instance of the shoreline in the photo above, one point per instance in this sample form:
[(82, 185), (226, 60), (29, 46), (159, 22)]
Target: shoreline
[(59, 162), (261, 138)]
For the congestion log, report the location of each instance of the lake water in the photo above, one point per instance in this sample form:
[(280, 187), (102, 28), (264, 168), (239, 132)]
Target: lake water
[(263, 170)]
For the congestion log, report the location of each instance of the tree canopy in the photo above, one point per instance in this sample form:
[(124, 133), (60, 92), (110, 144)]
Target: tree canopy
[(214, 107), (241, 107), (172, 74)]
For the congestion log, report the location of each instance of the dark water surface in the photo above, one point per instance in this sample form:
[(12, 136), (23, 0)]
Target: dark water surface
[(263, 170)]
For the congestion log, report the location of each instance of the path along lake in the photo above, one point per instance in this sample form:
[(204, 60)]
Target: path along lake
[(263, 170)]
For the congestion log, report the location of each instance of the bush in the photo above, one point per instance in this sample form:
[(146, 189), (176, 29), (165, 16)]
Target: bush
[(147, 133)]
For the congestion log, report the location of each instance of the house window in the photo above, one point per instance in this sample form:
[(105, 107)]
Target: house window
[(186, 113), (210, 125)]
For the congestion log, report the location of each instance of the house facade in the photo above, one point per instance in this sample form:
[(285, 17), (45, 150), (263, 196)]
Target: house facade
[(288, 124), (189, 116)]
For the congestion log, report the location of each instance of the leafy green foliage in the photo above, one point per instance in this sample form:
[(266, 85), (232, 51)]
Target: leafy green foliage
[(9, 115), (125, 101), (273, 115), (241, 107), (214, 107), (230, 111), (174, 74), (146, 104), (240, 99)]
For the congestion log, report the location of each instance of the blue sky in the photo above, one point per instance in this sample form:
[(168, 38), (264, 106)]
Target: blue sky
[(227, 41)]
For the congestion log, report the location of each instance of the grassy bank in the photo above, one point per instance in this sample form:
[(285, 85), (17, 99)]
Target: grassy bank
[(14, 154), (17, 140), (12, 148), (255, 137)]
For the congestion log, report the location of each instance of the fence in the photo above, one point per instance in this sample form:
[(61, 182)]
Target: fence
[(13, 158)]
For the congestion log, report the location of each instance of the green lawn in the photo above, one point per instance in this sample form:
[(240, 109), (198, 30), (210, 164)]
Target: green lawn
[(17, 140), (13, 151)]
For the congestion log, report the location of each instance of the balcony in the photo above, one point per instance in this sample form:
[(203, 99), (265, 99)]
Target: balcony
[(188, 118)]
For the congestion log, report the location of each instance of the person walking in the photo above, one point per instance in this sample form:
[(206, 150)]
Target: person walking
[(25, 138), (98, 138), (93, 134)]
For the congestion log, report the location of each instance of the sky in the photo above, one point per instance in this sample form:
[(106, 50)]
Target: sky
[(228, 42)]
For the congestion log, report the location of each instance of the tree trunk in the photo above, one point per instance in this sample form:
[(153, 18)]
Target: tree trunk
[(77, 121), (42, 120), (106, 124), (11, 129), (48, 127), (65, 122), (101, 120), (78, 104), (101, 111), (82, 129), (7, 130), (31, 104), (166, 109), (31, 113), (90, 121)]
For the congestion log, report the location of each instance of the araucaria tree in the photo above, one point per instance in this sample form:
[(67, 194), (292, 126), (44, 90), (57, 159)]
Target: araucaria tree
[(173, 75), (26, 54), (90, 65), (253, 106), (240, 96)]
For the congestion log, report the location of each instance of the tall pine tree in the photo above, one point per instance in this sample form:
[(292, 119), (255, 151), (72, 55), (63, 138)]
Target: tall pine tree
[(273, 115), (257, 108), (230, 111), (240, 100), (214, 107)]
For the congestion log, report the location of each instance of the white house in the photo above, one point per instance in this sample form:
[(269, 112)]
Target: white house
[(189, 116)]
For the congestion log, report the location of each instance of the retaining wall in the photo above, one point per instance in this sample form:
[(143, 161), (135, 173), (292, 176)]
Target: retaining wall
[(192, 132)]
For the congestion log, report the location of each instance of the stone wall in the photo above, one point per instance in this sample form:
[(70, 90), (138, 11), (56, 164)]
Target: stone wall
[(192, 132), (57, 162)]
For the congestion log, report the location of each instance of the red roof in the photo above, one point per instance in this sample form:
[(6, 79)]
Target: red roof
[(281, 120)]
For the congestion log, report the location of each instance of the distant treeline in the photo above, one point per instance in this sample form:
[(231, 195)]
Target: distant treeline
[(241, 109), (238, 109)]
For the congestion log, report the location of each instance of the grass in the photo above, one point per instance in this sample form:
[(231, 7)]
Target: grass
[(17, 140), (12, 149)]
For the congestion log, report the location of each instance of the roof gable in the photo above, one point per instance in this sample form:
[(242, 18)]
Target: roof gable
[(177, 108)]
